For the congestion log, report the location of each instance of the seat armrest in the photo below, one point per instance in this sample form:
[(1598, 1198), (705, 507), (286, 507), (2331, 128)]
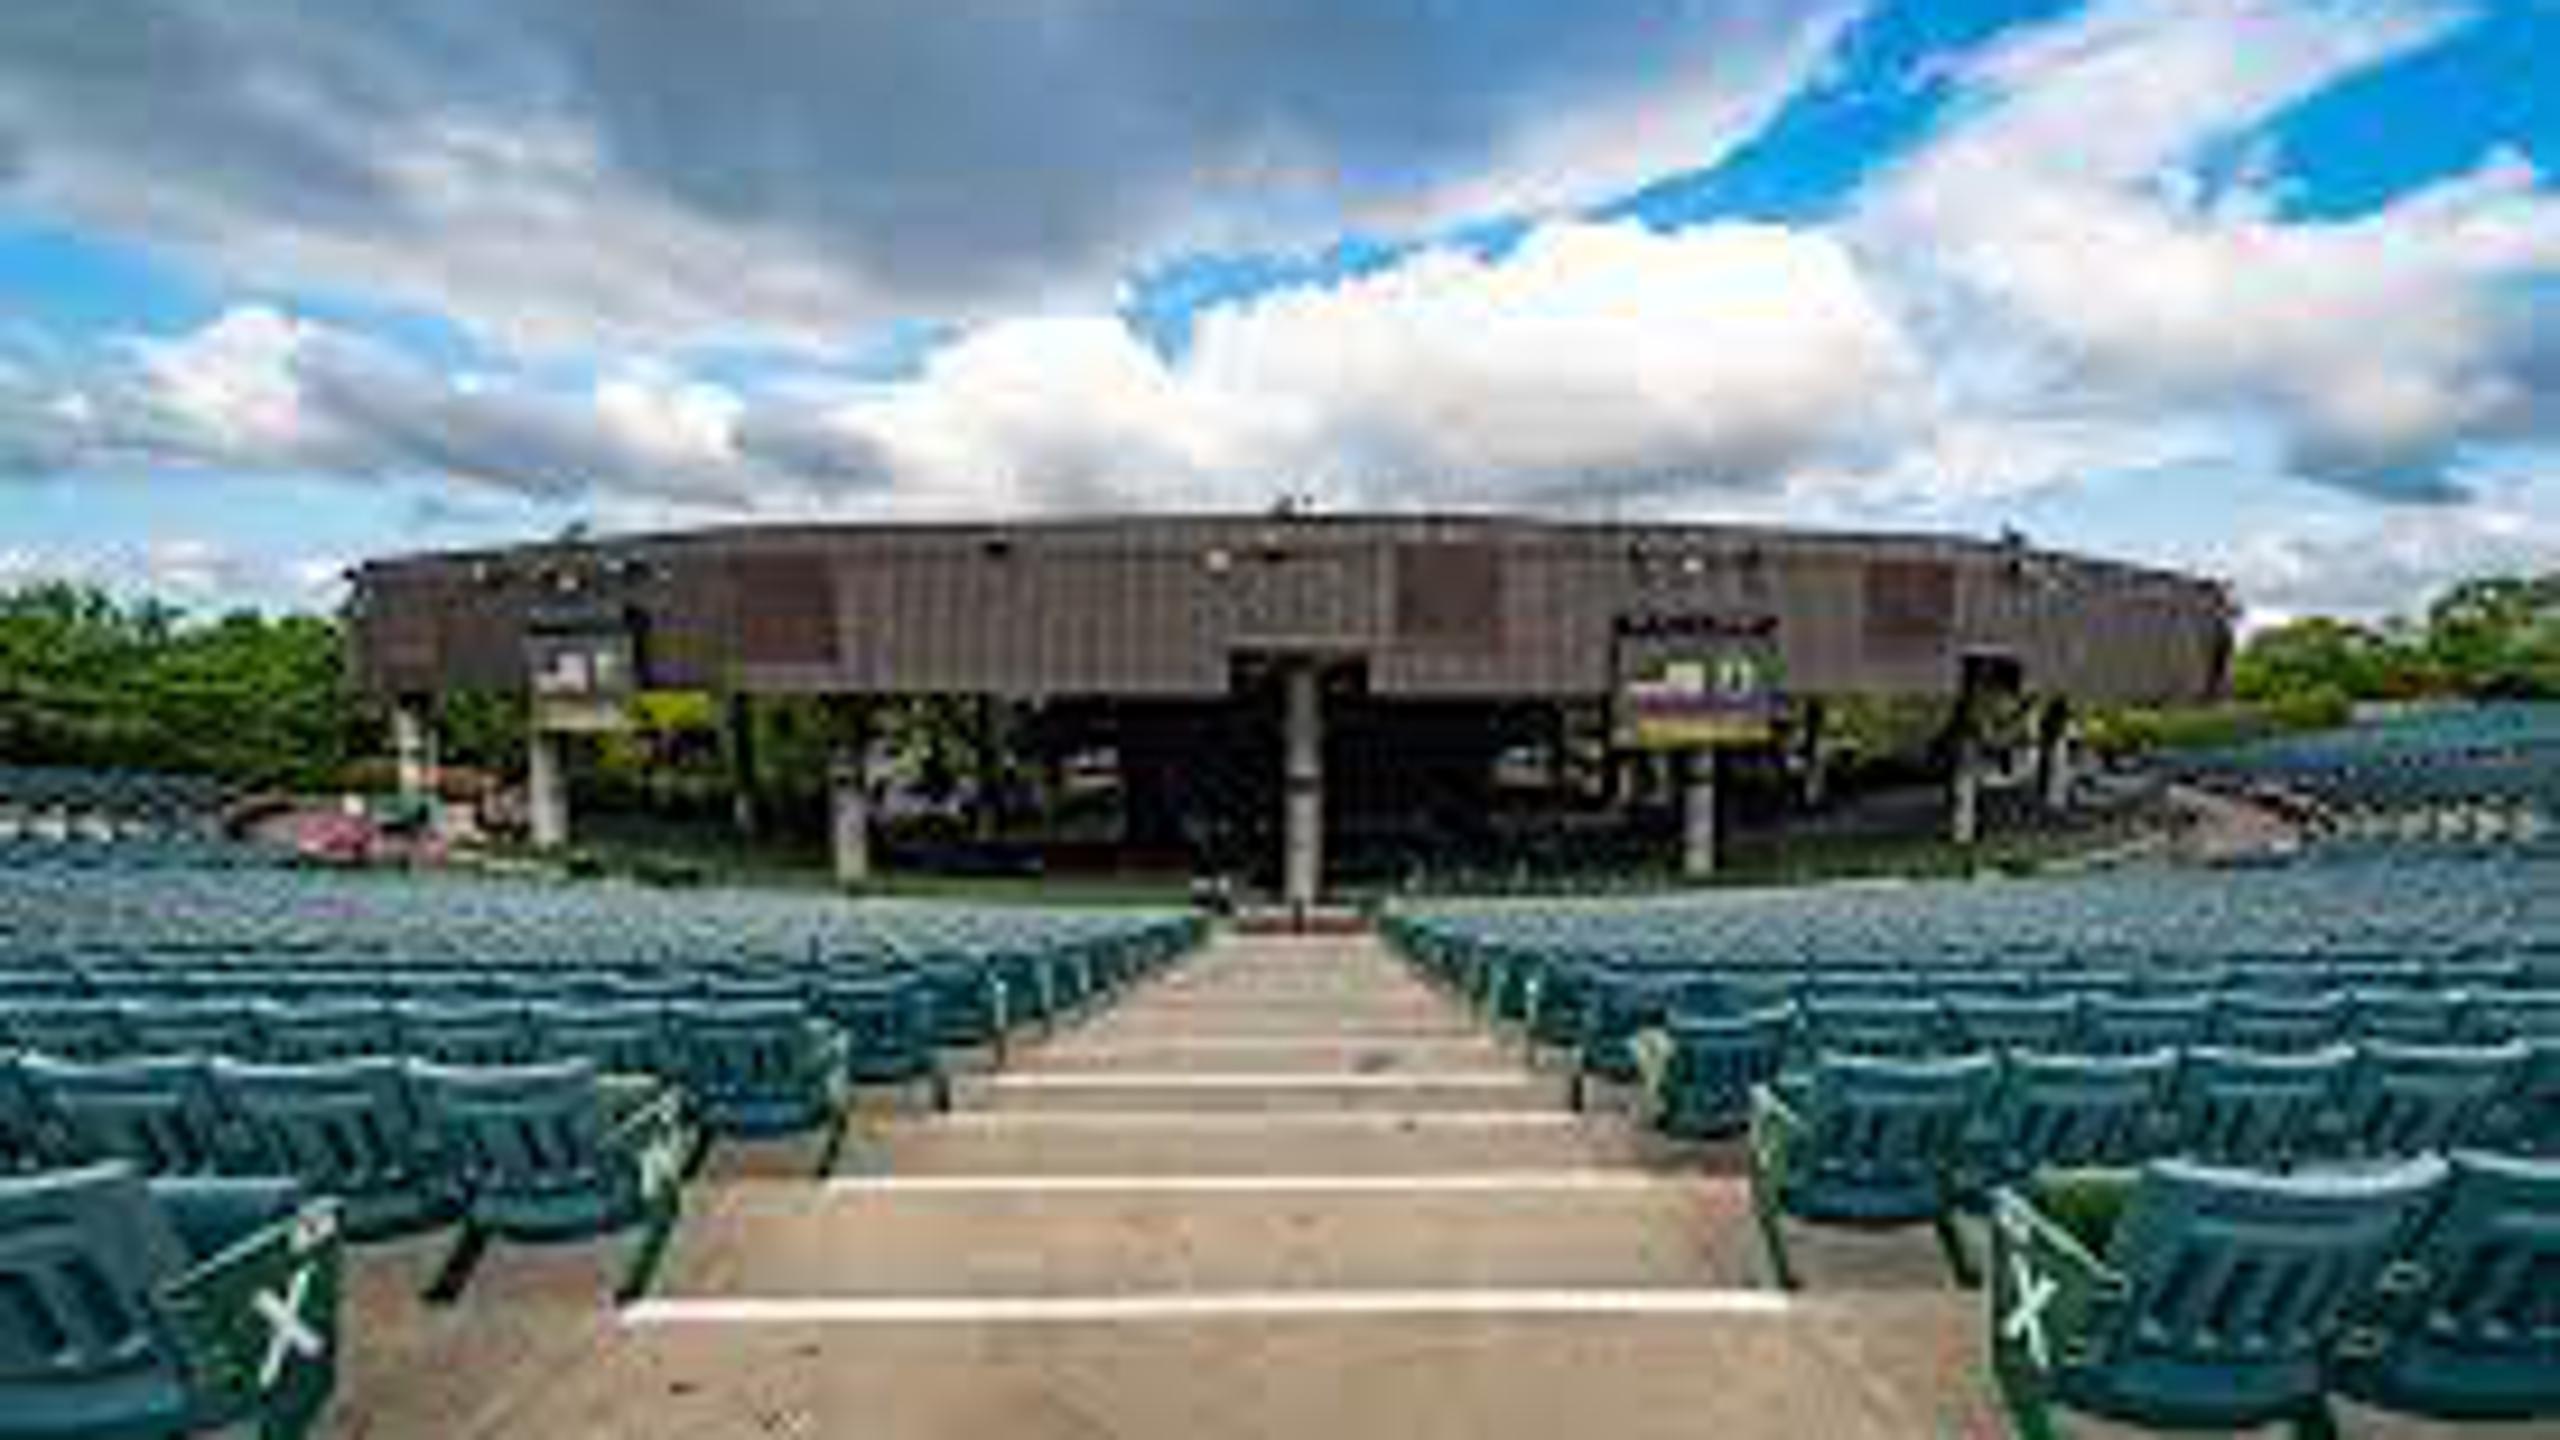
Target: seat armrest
[(256, 1325), (1654, 1050), (657, 1141), (1777, 1133), (2053, 1302)]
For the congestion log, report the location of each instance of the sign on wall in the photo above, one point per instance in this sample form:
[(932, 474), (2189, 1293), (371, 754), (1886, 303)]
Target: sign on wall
[(1690, 681), (583, 668)]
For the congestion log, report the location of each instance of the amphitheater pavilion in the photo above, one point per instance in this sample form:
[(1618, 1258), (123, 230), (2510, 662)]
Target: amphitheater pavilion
[(1331, 664)]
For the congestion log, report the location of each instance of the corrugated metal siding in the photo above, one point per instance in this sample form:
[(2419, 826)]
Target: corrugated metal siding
[(1160, 608)]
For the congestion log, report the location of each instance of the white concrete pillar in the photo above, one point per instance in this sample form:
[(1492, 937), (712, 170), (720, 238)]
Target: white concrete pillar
[(739, 730), (1699, 834), (413, 746), (1816, 777), (849, 788), (2061, 767), (1302, 786), (547, 789), (1964, 824)]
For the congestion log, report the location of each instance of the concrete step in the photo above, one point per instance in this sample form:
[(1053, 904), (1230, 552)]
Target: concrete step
[(1037, 1235), (1132, 1022), (1866, 1368), (1261, 1091), (1194, 1142), (1233, 1054)]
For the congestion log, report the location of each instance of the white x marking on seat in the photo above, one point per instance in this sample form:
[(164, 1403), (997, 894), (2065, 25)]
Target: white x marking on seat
[(662, 1163), (2025, 1321), (288, 1334)]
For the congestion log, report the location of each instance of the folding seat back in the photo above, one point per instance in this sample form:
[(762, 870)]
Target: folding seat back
[(1623, 1003), (2465, 1325), (2048, 1024), (2411, 1017), (968, 1003), (162, 1115), (1903, 1028), (2281, 1023), (494, 1033), (619, 1037), (889, 1030), (2529, 1015), (177, 1308), (765, 1070), (2069, 1112), (71, 1029), (2411, 1100), (194, 1027), (2251, 1108), (1699, 1070), (1023, 980), (755, 987), (81, 1252), (1561, 1002), (1867, 1141), (555, 1153), (317, 1032), (2207, 1299), (526, 1141), (349, 1130), (2527, 1121), (2137, 1025), (1884, 1133)]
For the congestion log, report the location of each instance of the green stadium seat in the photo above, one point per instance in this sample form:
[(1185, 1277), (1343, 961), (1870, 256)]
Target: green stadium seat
[(2071, 1112), (1866, 1142), (194, 1027), (2410, 1100), (466, 1033), (1699, 1070), (2288, 1024), (2139, 1025), (2188, 1297), (316, 1032), (349, 1130), (767, 1070), (619, 1037), (889, 1029), (557, 1154), (2248, 1108), (2466, 1324), (70, 1029), (170, 1309), (163, 1115), (1999, 1023)]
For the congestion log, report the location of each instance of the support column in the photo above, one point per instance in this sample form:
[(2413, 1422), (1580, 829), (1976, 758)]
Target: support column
[(2055, 747), (413, 745), (1964, 825), (739, 728), (1814, 771), (547, 788), (1302, 787), (1699, 833), (849, 791)]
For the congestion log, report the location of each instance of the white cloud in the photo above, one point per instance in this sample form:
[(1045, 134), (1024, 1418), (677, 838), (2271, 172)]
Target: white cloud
[(578, 172), (2061, 212), (2372, 568), (193, 571), (1594, 363)]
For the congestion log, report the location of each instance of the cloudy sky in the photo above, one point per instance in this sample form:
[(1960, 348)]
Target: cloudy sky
[(2269, 288)]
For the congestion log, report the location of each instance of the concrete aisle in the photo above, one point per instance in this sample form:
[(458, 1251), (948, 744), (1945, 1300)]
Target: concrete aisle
[(1287, 1190)]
